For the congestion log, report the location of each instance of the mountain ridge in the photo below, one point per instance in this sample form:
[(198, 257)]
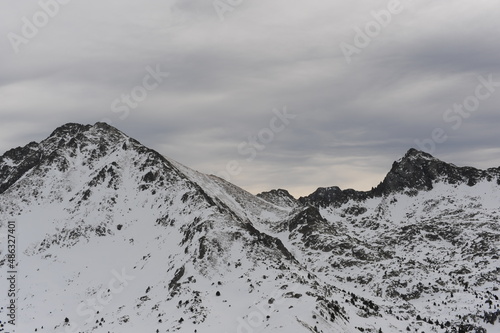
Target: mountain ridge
[(392, 181), (207, 255), (415, 171)]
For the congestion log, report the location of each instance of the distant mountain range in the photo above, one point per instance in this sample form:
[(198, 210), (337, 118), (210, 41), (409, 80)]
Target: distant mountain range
[(114, 237)]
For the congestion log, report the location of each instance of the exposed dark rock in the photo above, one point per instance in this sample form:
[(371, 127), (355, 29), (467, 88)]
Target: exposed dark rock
[(280, 198), (333, 196), (416, 171), (179, 273)]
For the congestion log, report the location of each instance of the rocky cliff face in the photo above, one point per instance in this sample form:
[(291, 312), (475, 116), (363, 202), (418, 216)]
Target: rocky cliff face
[(416, 171), (420, 171), (280, 197), (116, 237)]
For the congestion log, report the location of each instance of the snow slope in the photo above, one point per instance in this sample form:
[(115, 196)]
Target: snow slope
[(114, 237)]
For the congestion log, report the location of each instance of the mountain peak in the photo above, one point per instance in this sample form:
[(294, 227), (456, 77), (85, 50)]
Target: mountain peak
[(418, 170), (69, 128), (100, 136), (279, 197), (414, 154), (91, 142), (415, 171), (73, 129)]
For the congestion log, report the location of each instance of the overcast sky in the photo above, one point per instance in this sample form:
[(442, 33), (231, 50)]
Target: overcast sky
[(355, 83)]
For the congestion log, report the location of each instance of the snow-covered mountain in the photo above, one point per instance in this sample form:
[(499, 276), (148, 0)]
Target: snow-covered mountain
[(114, 237)]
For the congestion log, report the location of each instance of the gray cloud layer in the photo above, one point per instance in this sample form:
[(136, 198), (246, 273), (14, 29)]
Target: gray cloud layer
[(226, 78)]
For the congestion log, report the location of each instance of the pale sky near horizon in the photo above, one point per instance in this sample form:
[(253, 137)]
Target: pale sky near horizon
[(283, 95)]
